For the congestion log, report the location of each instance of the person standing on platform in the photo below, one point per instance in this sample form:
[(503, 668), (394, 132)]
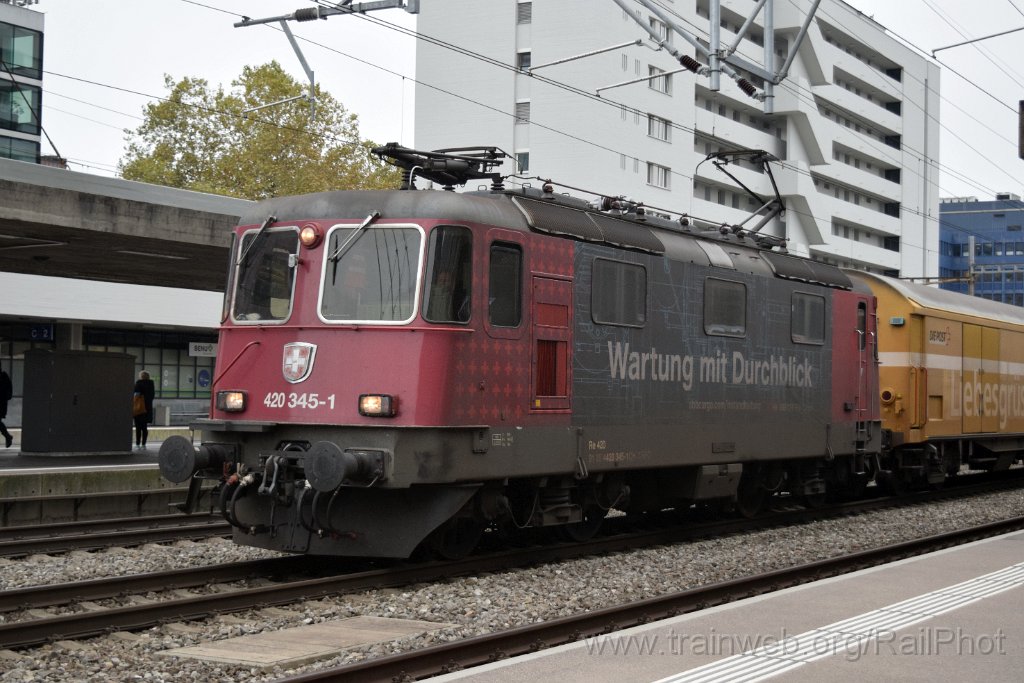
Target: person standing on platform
[(145, 388), (6, 392)]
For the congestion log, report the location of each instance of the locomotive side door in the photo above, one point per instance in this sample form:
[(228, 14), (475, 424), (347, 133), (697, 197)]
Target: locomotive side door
[(867, 342), (551, 339)]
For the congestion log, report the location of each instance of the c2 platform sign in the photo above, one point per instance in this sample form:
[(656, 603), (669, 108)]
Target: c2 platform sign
[(41, 332)]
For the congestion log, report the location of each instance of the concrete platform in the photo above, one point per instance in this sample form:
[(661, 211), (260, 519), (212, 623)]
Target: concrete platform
[(951, 615), (14, 458), (35, 489)]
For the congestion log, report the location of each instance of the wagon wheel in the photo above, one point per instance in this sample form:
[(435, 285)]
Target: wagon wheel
[(593, 516), (456, 538), (751, 495)]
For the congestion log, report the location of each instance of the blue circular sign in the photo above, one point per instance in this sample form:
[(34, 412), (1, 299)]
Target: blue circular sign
[(204, 378)]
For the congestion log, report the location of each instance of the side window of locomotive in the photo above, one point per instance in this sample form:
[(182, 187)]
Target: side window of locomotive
[(265, 275), (725, 308), (504, 297), (226, 309), (447, 298), (371, 277), (808, 318), (618, 293)]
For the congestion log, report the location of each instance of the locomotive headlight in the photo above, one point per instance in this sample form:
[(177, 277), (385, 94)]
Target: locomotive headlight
[(231, 401), (377, 405), (887, 396), (310, 235)]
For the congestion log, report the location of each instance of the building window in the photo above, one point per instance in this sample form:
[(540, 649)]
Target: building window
[(522, 112), (523, 61), (19, 150), (659, 80), (658, 175), (22, 50), (660, 28), (19, 104), (167, 356), (523, 162), (658, 127), (524, 13)]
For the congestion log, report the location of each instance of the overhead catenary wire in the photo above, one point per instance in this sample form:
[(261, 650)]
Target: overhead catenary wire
[(675, 172), (498, 63)]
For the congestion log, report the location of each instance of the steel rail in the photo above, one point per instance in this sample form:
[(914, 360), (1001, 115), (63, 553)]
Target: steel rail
[(485, 649), (172, 528), (34, 597), (37, 631)]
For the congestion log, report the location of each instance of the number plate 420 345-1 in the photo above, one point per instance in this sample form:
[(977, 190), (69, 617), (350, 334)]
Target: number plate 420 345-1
[(280, 399)]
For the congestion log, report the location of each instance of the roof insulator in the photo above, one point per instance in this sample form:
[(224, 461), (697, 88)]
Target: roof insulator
[(746, 86), (307, 14), (690, 63)]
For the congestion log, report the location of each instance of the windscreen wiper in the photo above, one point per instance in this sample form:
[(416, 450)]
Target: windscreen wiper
[(256, 237), (347, 244)]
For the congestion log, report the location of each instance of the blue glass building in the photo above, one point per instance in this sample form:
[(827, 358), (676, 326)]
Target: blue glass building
[(998, 246)]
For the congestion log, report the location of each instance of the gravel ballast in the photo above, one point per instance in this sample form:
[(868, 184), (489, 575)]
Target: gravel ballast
[(477, 605)]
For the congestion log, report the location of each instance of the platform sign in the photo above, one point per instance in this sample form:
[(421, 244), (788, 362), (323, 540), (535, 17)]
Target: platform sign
[(41, 332), (204, 349), (204, 378)]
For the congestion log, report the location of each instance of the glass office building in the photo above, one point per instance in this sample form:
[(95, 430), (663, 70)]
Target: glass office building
[(21, 81), (995, 229)]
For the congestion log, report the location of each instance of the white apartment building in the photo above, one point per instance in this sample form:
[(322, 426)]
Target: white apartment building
[(855, 123)]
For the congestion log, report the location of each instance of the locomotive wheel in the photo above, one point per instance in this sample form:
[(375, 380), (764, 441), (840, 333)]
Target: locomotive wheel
[(751, 496), (593, 516), (890, 482), (456, 538)]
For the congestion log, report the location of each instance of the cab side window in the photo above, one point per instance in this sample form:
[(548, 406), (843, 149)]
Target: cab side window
[(448, 295), (505, 298)]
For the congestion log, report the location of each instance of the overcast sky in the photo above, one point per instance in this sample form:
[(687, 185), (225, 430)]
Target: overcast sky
[(105, 59)]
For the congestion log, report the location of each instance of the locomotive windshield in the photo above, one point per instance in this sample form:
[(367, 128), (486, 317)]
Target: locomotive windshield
[(374, 278), (265, 277)]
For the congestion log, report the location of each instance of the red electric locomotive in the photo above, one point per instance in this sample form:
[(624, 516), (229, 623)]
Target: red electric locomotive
[(399, 368)]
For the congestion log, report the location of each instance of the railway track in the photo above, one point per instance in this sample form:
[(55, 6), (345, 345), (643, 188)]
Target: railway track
[(298, 581), (464, 654), (92, 535)]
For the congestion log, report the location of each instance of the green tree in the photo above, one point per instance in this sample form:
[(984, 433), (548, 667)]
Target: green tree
[(199, 139)]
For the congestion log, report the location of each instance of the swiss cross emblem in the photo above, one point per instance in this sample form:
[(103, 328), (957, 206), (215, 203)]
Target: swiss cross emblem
[(298, 361)]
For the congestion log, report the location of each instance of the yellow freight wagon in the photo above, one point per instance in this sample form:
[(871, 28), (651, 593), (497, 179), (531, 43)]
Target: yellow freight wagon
[(951, 381)]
